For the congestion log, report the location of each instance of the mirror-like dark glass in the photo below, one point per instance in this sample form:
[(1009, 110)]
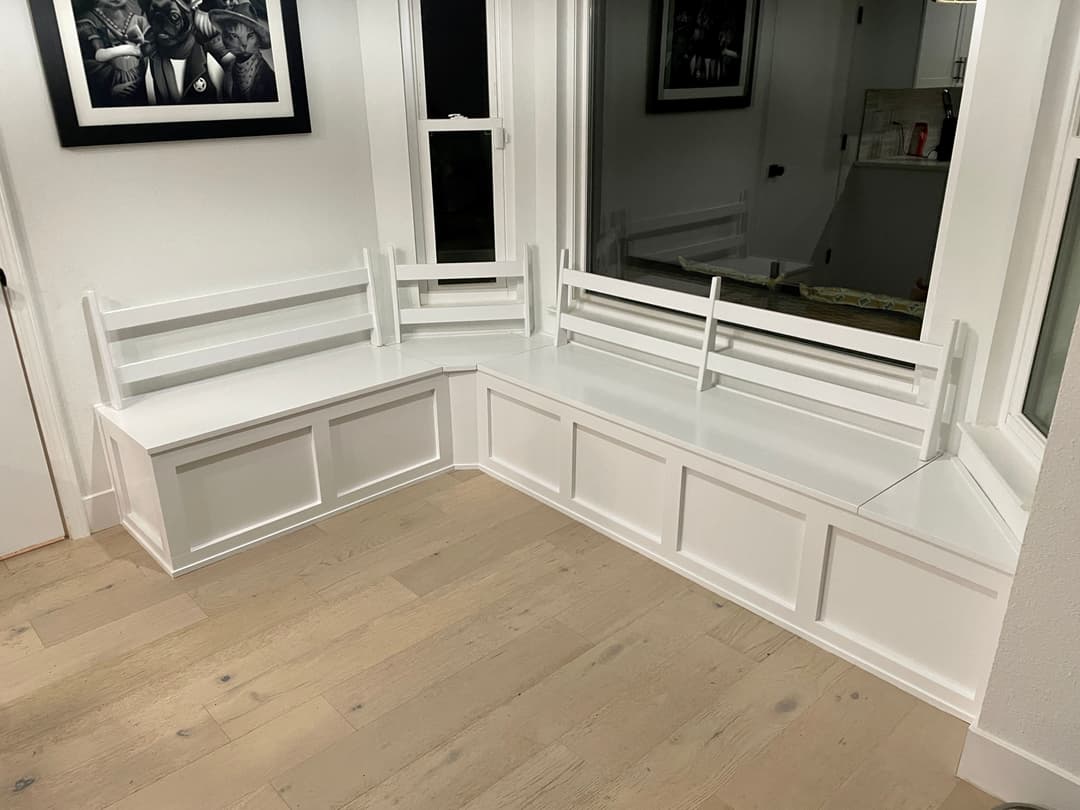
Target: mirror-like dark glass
[(1058, 322), (799, 150), (455, 58), (463, 197)]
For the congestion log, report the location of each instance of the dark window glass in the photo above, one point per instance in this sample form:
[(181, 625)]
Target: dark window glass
[(811, 184), (463, 196), (1058, 322), (455, 57)]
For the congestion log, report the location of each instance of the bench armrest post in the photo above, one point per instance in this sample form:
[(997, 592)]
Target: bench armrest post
[(563, 300), (527, 287), (932, 434), (706, 379), (373, 300), (391, 255), (99, 336)]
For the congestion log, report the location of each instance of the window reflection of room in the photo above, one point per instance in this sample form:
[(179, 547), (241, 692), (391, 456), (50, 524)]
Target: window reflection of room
[(811, 179)]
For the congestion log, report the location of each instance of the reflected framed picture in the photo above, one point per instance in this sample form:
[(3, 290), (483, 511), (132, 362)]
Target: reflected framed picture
[(702, 54), (135, 71)]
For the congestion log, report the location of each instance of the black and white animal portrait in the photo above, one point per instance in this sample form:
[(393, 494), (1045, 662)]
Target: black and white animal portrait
[(140, 53)]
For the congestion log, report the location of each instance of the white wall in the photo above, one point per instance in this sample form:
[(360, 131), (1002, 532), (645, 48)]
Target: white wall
[(148, 222), (1032, 701)]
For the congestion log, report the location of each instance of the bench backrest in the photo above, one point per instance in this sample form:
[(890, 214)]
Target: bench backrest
[(690, 234), (109, 326), (485, 309), (934, 362)]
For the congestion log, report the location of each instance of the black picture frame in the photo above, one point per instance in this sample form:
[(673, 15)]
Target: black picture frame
[(671, 90), (74, 134)]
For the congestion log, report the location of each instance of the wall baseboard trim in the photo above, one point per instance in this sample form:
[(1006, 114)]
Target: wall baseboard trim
[(1002, 769), (102, 510)]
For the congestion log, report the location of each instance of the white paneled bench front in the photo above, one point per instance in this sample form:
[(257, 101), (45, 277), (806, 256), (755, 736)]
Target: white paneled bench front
[(873, 546)]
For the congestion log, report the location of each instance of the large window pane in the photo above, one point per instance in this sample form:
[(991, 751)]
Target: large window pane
[(1058, 322), (799, 150), (463, 196), (455, 57)]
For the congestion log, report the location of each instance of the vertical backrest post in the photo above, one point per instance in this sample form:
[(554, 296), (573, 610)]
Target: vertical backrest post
[(743, 224), (527, 288), (395, 305), (372, 300), (563, 301), (932, 433), (706, 379), (100, 337)]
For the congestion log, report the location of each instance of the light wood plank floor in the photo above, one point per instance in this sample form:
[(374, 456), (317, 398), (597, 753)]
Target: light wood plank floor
[(455, 645)]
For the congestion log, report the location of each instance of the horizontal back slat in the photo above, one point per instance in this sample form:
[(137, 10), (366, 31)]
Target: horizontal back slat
[(198, 359), (885, 407), (464, 270), (688, 355), (699, 250), (167, 311), (641, 293), (478, 313), (686, 220), (900, 349)]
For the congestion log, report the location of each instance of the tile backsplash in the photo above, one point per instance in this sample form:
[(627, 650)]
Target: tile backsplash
[(881, 136)]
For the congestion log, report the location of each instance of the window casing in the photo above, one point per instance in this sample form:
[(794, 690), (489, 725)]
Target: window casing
[(461, 160), (1050, 308)]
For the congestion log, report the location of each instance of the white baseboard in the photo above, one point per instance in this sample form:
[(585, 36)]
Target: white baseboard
[(102, 510), (1015, 775)]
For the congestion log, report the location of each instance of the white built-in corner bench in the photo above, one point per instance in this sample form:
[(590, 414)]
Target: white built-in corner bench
[(237, 417)]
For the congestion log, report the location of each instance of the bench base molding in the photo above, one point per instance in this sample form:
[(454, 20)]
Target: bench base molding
[(1002, 769), (921, 617)]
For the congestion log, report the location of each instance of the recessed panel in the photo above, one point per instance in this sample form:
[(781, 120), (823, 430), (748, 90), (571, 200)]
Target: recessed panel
[(247, 487), (619, 482), (741, 536), (525, 439), (375, 444), (140, 488), (908, 611)]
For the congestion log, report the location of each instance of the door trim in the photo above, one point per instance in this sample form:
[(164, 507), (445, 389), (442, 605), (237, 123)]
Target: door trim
[(27, 321)]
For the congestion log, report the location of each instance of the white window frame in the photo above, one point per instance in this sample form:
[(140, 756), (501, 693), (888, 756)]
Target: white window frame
[(1021, 432), (421, 127)]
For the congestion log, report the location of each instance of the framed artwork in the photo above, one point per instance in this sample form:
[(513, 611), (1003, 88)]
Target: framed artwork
[(702, 54), (133, 71)]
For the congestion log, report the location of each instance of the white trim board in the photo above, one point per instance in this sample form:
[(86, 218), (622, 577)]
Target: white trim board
[(25, 315), (1005, 770), (102, 510)]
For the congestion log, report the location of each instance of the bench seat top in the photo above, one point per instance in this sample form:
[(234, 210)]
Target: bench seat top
[(826, 459), (862, 472), (456, 353), (171, 418), (942, 504)]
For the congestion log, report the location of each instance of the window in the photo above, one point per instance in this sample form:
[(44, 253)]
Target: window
[(461, 162), (1057, 322), (798, 150)]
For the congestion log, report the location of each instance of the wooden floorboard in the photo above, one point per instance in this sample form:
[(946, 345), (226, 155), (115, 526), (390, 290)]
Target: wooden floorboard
[(453, 645)]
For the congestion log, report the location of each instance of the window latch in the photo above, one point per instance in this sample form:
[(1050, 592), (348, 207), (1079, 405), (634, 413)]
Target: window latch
[(498, 138)]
